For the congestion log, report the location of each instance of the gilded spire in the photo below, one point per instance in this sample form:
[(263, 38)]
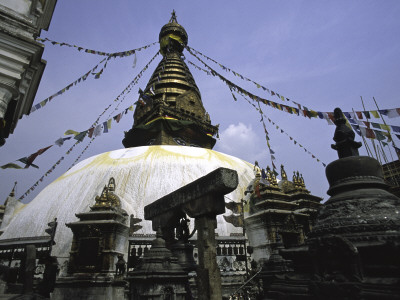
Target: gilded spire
[(12, 193), (302, 184), (107, 199), (271, 177), (171, 96), (294, 179), (283, 173)]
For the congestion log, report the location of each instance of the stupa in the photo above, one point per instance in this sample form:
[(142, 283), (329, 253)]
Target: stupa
[(168, 147)]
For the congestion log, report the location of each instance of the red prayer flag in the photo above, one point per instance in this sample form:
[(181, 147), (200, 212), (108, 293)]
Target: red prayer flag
[(90, 132), (33, 156), (370, 133)]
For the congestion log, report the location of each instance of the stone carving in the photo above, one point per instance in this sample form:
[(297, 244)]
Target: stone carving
[(344, 136), (120, 266)]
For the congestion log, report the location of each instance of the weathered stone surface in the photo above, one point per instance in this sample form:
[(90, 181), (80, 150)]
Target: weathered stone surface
[(215, 184), (352, 251)]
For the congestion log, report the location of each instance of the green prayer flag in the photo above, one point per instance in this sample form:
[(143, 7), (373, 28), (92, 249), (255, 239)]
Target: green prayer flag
[(11, 166)]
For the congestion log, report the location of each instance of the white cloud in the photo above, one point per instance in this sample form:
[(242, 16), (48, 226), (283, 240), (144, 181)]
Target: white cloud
[(241, 141)]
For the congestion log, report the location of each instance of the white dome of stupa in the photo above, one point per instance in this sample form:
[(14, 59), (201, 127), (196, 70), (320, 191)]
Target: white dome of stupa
[(142, 175)]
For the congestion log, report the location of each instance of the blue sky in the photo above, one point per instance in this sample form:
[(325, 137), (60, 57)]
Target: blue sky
[(321, 54)]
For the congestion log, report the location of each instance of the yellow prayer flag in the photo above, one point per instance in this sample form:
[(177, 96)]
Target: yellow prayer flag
[(389, 137), (109, 123), (130, 107), (375, 113), (283, 98), (258, 86), (70, 131), (385, 127), (313, 113)]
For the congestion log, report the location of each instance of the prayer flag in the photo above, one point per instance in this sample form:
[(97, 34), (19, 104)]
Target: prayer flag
[(326, 117), (33, 156), (366, 113), (263, 174), (134, 61), (356, 129), (397, 150), (105, 125), (97, 130), (376, 125), (90, 132), (61, 141), (11, 166), (80, 136), (383, 111), (388, 136), (370, 133), (359, 114), (392, 113), (379, 135), (70, 131), (375, 113), (396, 128), (385, 127)]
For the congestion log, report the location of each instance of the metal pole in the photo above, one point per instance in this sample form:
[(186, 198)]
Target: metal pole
[(362, 136), (373, 142), (244, 235), (384, 122)]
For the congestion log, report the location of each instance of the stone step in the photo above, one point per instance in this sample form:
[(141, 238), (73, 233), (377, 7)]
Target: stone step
[(7, 296)]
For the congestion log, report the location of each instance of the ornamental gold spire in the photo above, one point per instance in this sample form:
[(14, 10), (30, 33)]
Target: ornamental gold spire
[(107, 199), (283, 173), (170, 110)]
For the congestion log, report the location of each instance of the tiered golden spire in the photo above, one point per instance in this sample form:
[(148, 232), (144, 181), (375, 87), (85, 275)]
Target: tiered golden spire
[(172, 92)]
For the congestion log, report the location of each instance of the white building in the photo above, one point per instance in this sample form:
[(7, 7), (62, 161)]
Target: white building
[(21, 64)]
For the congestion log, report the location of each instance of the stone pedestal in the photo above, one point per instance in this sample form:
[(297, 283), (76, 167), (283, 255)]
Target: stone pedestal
[(352, 251), (99, 237), (158, 276)]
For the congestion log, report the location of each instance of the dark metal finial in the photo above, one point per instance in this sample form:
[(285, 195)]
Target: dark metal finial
[(173, 17), (344, 136), (12, 194)]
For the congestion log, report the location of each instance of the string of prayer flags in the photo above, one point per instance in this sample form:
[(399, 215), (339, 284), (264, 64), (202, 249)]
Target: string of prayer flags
[(63, 90), (136, 79), (61, 141), (373, 133), (90, 51), (271, 92), (120, 98), (28, 161), (391, 113), (328, 116), (79, 136), (33, 187), (273, 159), (238, 89), (11, 166)]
